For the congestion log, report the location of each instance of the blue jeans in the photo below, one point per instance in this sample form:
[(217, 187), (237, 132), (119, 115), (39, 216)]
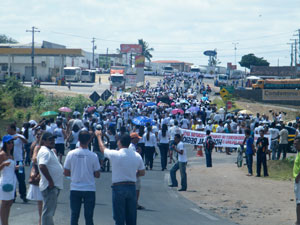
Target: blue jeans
[(124, 204), (181, 166), (88, 198), (274, 148), (208, 158), (282, 148), (49, 205), (249, 163)]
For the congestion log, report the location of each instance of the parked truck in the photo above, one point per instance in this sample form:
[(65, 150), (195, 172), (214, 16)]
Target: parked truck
[(117, 78), (277, 84)]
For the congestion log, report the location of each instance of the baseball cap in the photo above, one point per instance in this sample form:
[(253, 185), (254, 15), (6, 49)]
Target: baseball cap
[(6, 138), (47, 136), (134, 135)]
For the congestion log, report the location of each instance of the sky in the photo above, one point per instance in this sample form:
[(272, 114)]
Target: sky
[(176, 29)]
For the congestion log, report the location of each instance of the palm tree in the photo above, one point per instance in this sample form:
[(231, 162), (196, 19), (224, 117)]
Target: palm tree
[(146, 50)]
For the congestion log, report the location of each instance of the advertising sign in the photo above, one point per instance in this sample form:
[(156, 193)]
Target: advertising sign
[(221, 139), (131, 48), (210, 53), (130, 80), (281, 94), (139, 61)]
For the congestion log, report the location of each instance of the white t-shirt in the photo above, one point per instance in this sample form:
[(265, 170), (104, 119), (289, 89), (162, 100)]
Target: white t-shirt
[(183, 157), (82, 163), (152, 140), (125, 163), (174, 130), (59, 136), (75, 137), (220, 129), (163, 140), (185, 123), (274, 132), (48, 158), (18, 148)]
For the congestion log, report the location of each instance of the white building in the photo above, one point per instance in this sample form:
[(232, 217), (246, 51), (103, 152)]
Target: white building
[(49, 60)]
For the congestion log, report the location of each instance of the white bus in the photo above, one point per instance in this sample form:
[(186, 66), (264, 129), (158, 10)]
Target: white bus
[(168, 70), (88, 76), (195, 69), (72, 74)]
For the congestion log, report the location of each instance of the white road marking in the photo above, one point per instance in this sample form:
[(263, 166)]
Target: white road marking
[(169, 190), (205, 214)]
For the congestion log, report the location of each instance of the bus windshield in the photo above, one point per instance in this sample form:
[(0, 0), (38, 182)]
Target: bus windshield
[(117, 79), (69, 72), (85, 73), (195, 70), (168, 68)]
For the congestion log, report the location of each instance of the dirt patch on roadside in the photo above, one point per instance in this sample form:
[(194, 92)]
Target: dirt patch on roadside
[(227, 191), (255, 107)]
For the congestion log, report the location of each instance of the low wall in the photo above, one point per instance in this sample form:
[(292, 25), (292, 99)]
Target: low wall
[(261, 96)]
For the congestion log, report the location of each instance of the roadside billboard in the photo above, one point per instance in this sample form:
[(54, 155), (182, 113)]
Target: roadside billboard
[(139, 61), (281, 95), (131, 48)]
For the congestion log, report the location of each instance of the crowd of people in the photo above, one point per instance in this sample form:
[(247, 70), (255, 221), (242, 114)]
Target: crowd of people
[(137, 124)]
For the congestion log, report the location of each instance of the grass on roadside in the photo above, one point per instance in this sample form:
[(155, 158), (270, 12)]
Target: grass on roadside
[(277, 169)]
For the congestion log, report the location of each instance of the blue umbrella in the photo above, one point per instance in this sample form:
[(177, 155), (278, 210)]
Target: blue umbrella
[(142, 120), (194, 109), (126, 103), (204, 99), (150, 104)]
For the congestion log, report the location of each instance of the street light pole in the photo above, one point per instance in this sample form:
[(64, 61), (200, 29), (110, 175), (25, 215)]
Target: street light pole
[(235, 44), (33, 30)]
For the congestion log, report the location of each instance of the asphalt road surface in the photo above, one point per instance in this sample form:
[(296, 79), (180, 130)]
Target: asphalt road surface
[(164, 205)]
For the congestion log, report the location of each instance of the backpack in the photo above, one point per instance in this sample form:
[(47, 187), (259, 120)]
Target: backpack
[(209, 144)]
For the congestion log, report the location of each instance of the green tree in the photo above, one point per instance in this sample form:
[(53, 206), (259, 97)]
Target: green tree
[(146, 50), (251, 60), (5, 39)]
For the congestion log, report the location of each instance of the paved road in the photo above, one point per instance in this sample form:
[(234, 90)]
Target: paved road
[(164, 205)]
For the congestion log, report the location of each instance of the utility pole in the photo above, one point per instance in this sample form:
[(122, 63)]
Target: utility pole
[(235, 44), (292, 53), (106, 67), (94, 47), (33, 30), (295, 49), (298, 44)]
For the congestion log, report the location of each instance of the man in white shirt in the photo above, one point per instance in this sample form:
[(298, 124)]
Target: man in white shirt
[(180, 164), (19, 140), (126, 166), (82, 166), (274, 133), (51, 172)]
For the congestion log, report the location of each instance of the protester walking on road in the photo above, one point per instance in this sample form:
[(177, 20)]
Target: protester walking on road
[(209, 145), (34, 192), (60, 135), (18, 153), (250, 151), (178, 147), (296, 175), (262, 144), (283, 142), (164, 140), (7, 178), (83, 167), (150, 143), (51, 177), (126, 166), (134, 146)]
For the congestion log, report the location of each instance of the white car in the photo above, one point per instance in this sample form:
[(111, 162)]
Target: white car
[(209, 76)]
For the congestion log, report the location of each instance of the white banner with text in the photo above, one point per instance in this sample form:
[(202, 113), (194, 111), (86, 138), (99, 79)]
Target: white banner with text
[(221, 139)]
